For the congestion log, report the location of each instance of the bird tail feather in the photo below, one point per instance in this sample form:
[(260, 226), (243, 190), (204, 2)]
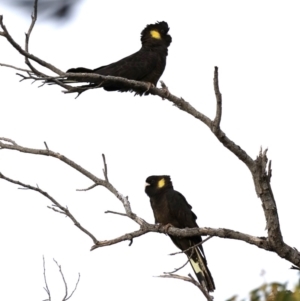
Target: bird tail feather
[(199, 265), (71, 80), (80, 70)]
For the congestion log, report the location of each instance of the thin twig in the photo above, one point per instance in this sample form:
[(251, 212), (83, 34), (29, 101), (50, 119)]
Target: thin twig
[(177, 269), (23, 52), (33, 18), (9, 140), (114, 212), (64, 280), (191, 280), (217, 120), (270, 171), (63, 209), (89, 188), (27, 37), (105, 168), (193, 247), (128, 236), (13, 67), (56, 210), (46, 145), (66, 297), (75, 288), (45, 279)]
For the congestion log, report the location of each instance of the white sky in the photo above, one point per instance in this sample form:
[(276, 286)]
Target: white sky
[(256, 46)]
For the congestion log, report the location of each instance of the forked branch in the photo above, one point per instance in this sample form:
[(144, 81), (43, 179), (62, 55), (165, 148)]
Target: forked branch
[(66, 296), (262, 242)]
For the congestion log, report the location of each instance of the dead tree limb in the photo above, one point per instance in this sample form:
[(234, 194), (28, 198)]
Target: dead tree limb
[(265, 243)]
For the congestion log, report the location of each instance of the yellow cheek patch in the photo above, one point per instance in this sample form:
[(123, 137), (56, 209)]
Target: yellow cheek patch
[(155, 34), (161, 183)]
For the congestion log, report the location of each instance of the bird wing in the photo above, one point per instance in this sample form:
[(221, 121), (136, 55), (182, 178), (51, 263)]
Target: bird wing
[(181, 210), (135, 66), (182, 216)]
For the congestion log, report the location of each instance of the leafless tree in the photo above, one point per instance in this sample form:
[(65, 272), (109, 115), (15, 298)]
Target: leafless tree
[(260, 167)]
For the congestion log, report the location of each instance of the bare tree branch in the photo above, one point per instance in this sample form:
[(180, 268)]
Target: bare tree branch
[(181, 267), (105, 168), (63, 278), (117, 213), (75, 288), (13, 67), (27, 37), (217, 120), (128, 236), (260, 242), (46, 284), (8, 140), (46, 145), (193, 247), (283, 250), (66, 296), (191, 280), (23, 52), (89, 188), (56, 204)]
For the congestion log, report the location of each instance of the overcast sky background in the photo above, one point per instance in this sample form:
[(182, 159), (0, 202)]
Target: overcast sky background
[(256, 46)]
